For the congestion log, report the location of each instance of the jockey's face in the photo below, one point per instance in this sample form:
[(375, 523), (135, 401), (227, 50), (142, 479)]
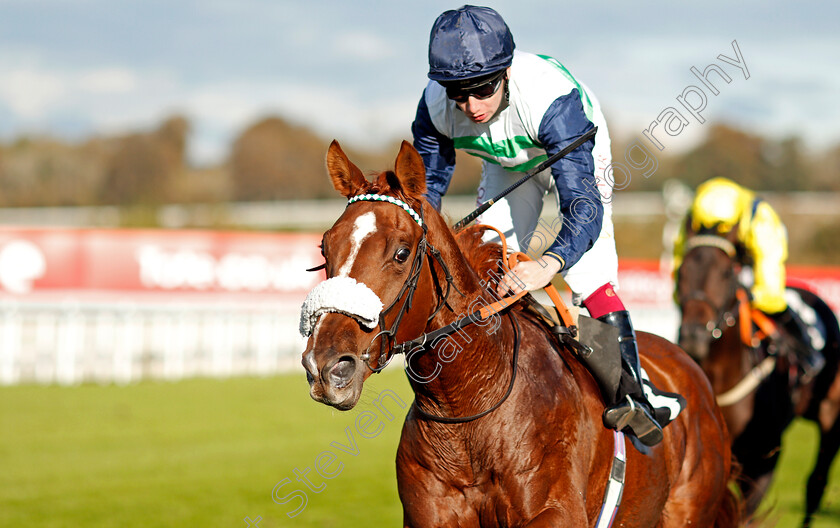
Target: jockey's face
[(483, 110)]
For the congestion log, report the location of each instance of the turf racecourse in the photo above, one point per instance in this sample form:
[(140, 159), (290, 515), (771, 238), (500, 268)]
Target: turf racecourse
[(210, 453)]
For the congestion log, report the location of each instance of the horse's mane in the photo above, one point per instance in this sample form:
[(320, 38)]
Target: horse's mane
[(483, 257), (486, 258)]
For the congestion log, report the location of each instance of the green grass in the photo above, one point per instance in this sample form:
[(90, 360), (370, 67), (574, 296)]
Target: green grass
[(206, 453), (786, 499), (197, 453)]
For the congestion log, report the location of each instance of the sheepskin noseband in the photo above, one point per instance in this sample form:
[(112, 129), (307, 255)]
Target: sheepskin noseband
[(340, 295)]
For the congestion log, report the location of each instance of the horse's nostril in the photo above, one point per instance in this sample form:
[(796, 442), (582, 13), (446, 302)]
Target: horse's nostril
[(341, 373), (309, 378)]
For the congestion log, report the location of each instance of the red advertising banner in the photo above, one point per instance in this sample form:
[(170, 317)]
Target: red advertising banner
[(43, 263), (36, 261)]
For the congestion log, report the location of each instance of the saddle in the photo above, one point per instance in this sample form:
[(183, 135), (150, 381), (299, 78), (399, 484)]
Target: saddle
[(596, 345), (789, 341)]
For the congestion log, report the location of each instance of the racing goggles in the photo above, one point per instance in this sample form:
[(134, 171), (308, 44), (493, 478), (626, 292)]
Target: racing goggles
[(485, 88)]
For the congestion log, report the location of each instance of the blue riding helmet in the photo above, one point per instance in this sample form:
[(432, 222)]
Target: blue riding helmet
[(469, 42)]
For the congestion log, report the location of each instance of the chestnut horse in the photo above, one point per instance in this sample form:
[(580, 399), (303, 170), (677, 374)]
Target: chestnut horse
[(505, 430), (756, 389)]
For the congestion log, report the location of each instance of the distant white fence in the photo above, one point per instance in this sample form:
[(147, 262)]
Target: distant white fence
[(124, 342), (119, 305), (72, 343)]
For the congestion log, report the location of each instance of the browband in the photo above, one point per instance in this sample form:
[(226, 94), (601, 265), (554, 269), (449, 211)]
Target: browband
[(391, 199)]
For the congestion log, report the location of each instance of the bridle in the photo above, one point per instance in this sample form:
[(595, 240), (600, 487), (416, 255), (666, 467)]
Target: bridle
[(739, 305), (422, 251), (724, 314), (388, 349)]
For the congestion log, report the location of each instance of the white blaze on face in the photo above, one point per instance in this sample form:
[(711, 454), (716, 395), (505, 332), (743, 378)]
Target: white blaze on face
[(342, 294), (364, 226)]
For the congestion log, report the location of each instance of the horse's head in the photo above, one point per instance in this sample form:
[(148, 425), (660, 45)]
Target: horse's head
[(374, 258), (707, 283)]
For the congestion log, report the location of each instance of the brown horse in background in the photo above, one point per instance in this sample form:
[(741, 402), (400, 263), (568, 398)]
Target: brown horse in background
[(505, 428), (758, 394)]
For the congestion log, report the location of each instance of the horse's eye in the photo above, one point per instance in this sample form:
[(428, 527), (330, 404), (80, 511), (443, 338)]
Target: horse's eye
[(402, 255)]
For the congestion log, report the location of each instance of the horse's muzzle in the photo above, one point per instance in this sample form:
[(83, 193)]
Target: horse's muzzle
[(334, 383), (341, 372)]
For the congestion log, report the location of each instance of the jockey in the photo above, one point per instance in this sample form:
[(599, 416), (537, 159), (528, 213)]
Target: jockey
[(513, 110), (721, 206)]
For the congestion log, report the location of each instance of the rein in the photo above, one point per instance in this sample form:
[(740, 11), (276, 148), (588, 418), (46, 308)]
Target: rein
[(408, 289), (724, 313), (747, 317), (514, 369)]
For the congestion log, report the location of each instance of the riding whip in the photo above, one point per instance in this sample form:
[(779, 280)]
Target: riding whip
[(528, 175)]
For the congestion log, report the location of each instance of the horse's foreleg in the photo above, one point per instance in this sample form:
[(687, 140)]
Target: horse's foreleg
[(557, 518), (425, 513), (829, 445)]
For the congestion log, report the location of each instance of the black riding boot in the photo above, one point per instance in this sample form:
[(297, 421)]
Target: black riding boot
[(630, 408), (811, 361)]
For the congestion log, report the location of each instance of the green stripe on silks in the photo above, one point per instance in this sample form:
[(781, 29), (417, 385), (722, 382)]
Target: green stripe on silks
[(522, 167), (584, 97), (509, 148)]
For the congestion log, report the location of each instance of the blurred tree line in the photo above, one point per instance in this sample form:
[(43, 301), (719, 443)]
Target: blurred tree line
[(270, 160), (275, 160), (755, 162)]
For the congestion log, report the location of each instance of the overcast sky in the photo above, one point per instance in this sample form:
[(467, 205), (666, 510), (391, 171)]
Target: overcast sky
[(354, 70)]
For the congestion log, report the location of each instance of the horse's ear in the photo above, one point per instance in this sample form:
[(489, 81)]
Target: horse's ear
[(346, 177), (410, 171)]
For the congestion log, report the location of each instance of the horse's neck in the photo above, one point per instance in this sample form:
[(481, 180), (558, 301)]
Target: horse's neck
[(466, 371)]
